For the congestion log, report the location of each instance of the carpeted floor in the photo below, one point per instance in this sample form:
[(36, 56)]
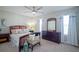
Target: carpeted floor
[(46, 46), (7, 47)]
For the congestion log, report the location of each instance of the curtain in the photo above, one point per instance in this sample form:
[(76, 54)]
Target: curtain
[(71, 38), (72, 34), (61, 29)]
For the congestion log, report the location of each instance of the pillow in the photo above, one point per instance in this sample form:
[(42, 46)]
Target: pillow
[(19, 31), (23, 31), (32, 37), (15, 31), (26, 30)]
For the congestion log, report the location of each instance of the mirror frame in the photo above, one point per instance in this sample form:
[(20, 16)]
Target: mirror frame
[(51, 19)]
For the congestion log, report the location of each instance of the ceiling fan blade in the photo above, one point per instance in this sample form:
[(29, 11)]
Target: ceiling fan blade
[(27, 11), (34, 9), (39, 8), (28, 8), (40, 12)]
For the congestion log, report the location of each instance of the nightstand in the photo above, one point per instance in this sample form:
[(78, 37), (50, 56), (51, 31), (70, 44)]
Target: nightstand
[(4, 37)]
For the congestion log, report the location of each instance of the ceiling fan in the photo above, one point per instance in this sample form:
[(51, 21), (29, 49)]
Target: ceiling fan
[(33, 9)]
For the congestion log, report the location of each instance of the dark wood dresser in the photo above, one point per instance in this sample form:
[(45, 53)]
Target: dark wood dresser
[(52, 36), (4, 37)]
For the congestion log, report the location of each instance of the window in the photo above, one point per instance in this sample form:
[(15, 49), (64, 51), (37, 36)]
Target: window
[(66, 23), (40, 25)]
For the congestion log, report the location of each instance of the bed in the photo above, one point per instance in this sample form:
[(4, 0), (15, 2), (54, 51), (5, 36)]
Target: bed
[(18, 32)]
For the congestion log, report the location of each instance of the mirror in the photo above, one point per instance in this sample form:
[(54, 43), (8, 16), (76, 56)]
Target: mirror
[(51, 24)]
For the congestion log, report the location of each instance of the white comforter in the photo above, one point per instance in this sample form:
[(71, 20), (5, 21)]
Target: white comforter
[(15, 38)]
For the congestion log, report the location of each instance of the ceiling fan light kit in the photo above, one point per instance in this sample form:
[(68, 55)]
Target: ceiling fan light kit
[(34, 9), (33, 12)]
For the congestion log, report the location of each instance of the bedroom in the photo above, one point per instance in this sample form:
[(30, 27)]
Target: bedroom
[(22, 18)]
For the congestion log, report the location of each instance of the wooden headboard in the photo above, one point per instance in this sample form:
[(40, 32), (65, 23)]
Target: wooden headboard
[(17, 27)]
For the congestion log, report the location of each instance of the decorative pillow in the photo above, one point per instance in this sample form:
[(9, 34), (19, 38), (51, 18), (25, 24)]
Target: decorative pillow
[(19, 31), (23, 31), (32, 37), (15, 31)]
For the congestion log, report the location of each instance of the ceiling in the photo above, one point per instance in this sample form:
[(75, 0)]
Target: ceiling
[(23, 11)]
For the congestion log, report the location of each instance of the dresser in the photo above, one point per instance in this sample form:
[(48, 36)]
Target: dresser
[(52, 36)]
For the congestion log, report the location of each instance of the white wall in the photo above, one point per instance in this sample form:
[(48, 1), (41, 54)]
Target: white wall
[(12, 19), (77, 24), (71, 11), (15, 19)]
